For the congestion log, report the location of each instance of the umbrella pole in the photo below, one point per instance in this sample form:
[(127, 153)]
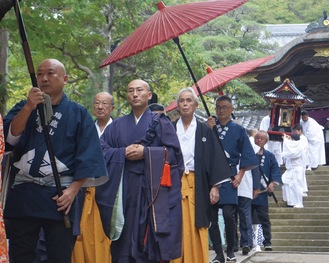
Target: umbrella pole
[(176, 40), (29, 62)]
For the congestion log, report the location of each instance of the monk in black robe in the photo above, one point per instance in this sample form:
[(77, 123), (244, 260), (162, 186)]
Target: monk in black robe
[(140, 215), (205, 167)]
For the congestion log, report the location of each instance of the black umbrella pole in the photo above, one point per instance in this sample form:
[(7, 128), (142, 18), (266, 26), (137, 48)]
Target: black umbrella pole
[(176, 40), (29, 62), (52, 161)]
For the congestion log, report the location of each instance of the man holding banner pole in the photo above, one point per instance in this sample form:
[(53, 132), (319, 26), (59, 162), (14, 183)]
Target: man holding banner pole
[(32, 202)]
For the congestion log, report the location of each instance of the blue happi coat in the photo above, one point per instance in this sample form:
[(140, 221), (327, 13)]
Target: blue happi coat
[(268, 165), (239, 151), (151, 213), (77, 151)]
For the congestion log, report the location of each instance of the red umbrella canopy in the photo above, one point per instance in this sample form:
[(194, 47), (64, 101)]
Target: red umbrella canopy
[(168, 23), (220, 77)]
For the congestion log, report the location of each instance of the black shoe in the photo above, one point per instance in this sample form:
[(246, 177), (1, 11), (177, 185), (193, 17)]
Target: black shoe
[(245, 250), (268, 248), (230, 257), (218, 259)]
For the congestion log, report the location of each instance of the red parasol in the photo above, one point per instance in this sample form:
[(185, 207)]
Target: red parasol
[(220, 77), (169, 23)]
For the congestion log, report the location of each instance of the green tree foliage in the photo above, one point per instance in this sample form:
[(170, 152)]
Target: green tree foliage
[(83, 33), (287, 11)]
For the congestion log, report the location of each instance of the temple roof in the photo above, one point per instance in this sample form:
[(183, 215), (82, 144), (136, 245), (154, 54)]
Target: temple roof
[(305, 61), (286, 91)]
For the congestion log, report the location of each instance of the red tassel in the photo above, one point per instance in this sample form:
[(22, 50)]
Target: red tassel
[(166, 176)]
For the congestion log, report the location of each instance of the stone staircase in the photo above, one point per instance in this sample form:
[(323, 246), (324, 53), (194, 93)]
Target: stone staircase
[(303, 229)]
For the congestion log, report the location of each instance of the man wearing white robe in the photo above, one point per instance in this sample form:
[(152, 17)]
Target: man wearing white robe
[(293, 177), (298, 129), (314, 134), (272, 146)]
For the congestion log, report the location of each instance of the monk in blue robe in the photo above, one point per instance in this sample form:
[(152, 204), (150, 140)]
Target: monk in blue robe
[(142, 216), (33, 202)]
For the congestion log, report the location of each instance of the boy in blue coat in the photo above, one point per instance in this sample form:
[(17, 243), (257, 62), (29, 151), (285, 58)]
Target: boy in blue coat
[(270, 176)]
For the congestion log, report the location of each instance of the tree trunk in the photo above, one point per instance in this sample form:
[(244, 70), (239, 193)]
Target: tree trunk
[(4, 36)]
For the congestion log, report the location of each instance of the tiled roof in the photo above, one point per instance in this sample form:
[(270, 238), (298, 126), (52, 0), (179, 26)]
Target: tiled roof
[(247, 119), (251, 119), (286, 90), (285, 95)]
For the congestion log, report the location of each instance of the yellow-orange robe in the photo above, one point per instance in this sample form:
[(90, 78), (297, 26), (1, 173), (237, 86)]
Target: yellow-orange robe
[(92, 245)]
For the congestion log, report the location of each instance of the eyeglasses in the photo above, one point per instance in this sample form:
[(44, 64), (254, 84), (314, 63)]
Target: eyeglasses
[(223, 108), (101, 103)]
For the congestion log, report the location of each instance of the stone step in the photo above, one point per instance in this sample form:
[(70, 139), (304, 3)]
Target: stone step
[(307, 203), (303, 229), (321, 168), (297, 228), (314, 193), (310, 193), (321, 187), (322, 171), (316, 203), (313, 187), (312, 249), (298, 216), (301, 236), (300, 242), (283, 205), (316, 198), (320, 192), (316, 178), (300, 222), (311, 210), (317, 181)]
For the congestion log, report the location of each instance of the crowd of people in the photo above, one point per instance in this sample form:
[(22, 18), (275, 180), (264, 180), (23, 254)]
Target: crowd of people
[(141, 188)]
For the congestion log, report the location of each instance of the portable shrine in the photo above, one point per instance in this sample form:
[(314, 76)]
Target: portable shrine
[(286, 101)]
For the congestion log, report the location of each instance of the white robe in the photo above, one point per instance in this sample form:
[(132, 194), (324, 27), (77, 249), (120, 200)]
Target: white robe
[(316, 148), (304, 146), (99, 130), (245, 187), (293, 178), (272, 146)]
